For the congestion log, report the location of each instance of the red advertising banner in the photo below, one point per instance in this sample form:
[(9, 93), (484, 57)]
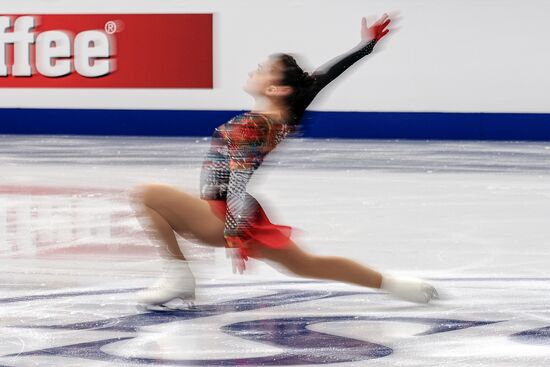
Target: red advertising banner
[(106, 51)]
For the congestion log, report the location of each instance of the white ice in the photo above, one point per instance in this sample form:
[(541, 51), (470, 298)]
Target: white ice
[(472, 217)]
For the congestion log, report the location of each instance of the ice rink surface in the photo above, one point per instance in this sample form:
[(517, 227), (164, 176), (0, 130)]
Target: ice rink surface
[(472, 217)]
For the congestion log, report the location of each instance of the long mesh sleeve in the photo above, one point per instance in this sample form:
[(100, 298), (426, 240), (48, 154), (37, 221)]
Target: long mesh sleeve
[(329, 71), (248, 147), (241, 209)]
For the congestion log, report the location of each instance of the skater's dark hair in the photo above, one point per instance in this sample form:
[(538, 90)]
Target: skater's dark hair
[(296, 78)]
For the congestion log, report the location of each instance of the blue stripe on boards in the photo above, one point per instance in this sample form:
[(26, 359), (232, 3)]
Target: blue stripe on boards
[(317, 124)]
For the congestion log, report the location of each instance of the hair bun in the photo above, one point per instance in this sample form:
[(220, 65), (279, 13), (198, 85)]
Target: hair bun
[(306, 78)]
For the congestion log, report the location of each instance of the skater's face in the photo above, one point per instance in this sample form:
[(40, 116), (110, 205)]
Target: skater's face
[(265, 80)]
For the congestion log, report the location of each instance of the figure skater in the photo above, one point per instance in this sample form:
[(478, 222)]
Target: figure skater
[(226, 215)]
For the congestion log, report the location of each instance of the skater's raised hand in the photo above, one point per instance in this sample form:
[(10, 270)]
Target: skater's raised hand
[(377, 30)]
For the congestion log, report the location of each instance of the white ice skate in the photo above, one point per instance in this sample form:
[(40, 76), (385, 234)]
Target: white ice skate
[(177, 282), (409, 289)]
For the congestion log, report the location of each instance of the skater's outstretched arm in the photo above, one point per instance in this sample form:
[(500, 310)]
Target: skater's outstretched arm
[(370, 35)]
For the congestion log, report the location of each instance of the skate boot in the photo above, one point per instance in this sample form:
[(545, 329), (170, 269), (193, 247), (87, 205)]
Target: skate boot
[(177, 282), (409, 289)]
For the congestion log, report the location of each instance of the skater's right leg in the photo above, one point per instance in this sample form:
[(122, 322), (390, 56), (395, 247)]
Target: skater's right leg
[(165, 211), (169, 210)]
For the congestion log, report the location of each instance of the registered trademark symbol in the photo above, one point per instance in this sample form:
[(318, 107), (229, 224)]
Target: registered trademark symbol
[(111, 27)]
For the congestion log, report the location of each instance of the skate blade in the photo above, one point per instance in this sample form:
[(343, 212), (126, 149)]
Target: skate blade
[(431, 294), (187, 305)]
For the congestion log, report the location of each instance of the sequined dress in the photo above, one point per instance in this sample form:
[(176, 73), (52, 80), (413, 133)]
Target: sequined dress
[(240, 146)]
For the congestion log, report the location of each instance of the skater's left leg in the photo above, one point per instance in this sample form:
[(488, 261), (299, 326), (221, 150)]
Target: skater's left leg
[(309, 265), (344, 270)]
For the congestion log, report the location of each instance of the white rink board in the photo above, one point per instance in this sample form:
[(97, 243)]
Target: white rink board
[(448, 56)]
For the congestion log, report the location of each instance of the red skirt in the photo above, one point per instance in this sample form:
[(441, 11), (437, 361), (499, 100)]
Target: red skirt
[(260, 233)]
